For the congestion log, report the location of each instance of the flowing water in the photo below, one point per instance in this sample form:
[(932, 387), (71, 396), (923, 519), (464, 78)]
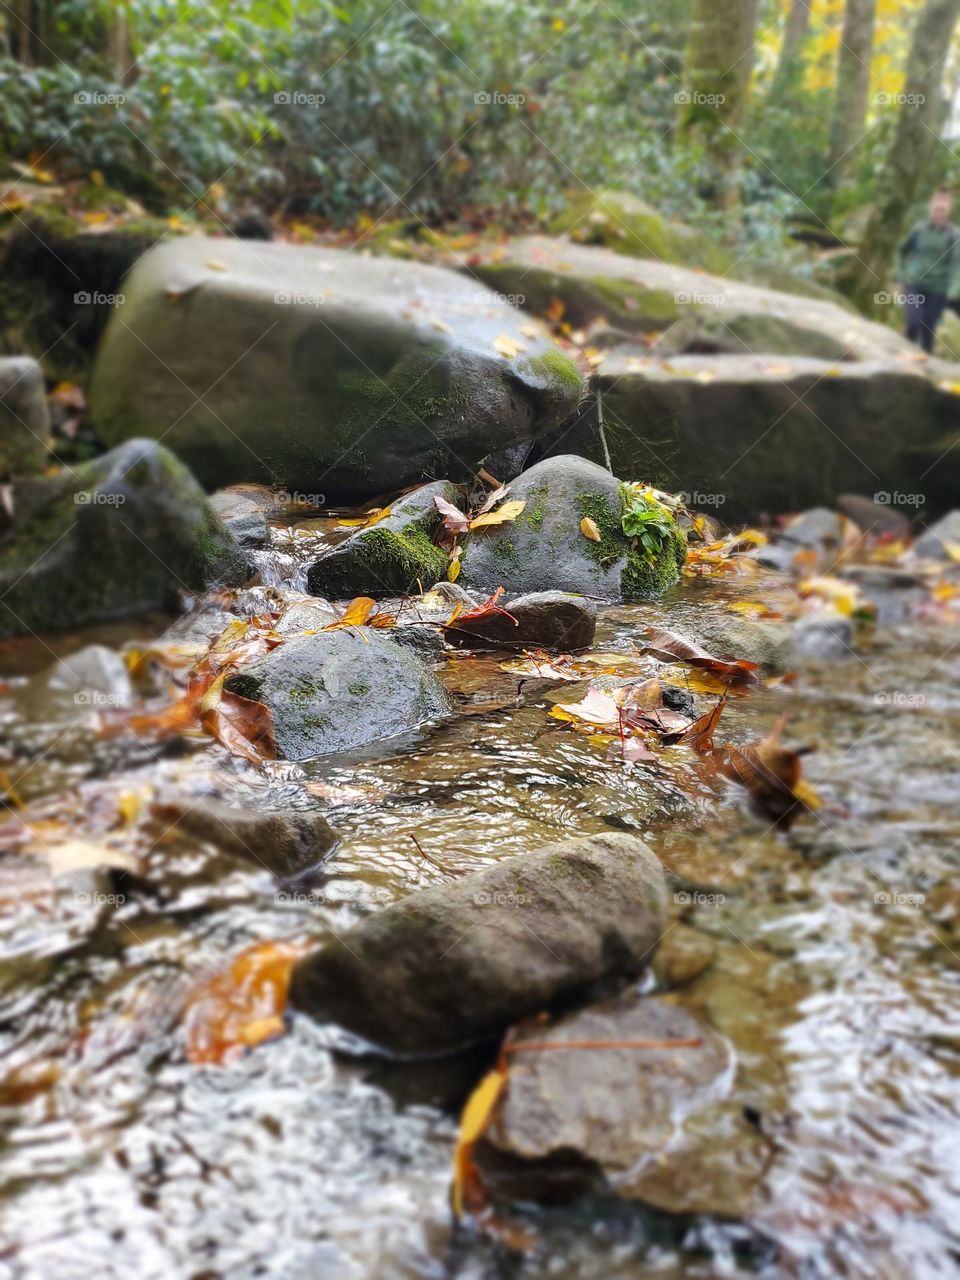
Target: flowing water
[(836, 980)]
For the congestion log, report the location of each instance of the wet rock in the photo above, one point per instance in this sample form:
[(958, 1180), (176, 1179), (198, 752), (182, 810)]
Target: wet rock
[(656, 1125), (24, 416), (545, 549), (728, 635), (288, 843), (544, 620), (306, 616), (393, 556), (778, 556), (124, 533), (428, 642), (338, 690), (817, 529), (683, 954), (877, 518), (93, 677), (245, 509), (367, 374), (932, 545), (827, 638), (461, 961)]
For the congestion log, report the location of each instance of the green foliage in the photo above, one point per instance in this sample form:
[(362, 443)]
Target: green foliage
[(644, 518)]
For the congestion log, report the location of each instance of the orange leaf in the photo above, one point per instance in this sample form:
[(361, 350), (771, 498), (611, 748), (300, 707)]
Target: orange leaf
[(357, 612)]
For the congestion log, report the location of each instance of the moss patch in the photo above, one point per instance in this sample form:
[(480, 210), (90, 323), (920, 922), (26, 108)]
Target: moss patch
[(613, 546), (640, 578), (556, 369)]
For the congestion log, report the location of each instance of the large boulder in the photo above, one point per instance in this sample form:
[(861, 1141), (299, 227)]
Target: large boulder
[(338, 690), (460, 962), (124, 533), (539, 620), (756, 434), (716, 313), (658, 1125), (545, 548), (391, 557), (24, 418), (326, 371)]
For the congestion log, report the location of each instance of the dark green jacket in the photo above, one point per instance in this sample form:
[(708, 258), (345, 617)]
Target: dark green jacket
[(928, 257)]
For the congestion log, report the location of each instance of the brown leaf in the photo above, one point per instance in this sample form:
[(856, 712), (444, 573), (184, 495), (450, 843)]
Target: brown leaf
[(669, 647), (244, 727)]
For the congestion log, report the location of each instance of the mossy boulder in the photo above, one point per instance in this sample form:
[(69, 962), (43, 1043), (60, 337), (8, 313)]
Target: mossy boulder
[(325, 371), (391, 557), (545, 549), (462, 961), (339, 690), (127, 532), (24, 418), (716, 313)]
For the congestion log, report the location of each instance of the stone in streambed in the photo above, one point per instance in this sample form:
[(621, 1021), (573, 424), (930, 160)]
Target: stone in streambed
[(544, 548), (935, 544), (875, 518), (393, 556), (119, 535), (24, 416), (339, 690), (543, 620), (460, 962), (655, 1125), (728, 635)]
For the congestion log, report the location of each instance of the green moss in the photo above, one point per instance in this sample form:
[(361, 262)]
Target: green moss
[(642, 578), (245, 686), (535, 510), (641, 307), (557, 369), (505, 551), (613, 545)]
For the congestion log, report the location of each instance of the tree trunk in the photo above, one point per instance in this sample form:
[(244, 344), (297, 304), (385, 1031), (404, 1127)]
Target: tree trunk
[(853, 86), (716, 85), (919, 116), (795, 32)]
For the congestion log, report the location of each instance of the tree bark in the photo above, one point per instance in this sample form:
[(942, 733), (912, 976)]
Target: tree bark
[(795, 32), (908, 158), (716, 85), (853, 87)]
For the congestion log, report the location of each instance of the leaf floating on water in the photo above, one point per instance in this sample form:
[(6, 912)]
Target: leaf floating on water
[(669, 647), (509, 511), (590, 530)]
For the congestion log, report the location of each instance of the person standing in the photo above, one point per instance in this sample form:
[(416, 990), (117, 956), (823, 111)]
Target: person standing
[(925, 264)]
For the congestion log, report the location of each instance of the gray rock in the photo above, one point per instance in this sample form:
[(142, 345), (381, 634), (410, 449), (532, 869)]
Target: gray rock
[(826, 638), (778, 556), (874, 517), (656, 1125), (428, 642), (816, 529), (338, 690), (392, 557), (932, 544), (24, 416), (544, 620), (728, 635), (461, 961), (682, 956), (92, 677), (288, 843), (306, 616), (245, 510), (349, 376), (545, 549), (124, 533)]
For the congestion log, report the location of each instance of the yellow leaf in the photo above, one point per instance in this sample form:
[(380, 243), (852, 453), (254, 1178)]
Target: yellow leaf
[(503, 515), (215, 264), (506, 346), (357, 612), (474, 1120), (129, 805), (441, 326), (953, 551), (453, 571), (806, 795), (589, 529)]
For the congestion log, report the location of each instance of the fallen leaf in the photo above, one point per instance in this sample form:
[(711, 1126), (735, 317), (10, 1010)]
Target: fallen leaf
[(590, 530), (508, 347), (356, 614), (669, 647), (453, 518), (503, 515), (468, 1190)]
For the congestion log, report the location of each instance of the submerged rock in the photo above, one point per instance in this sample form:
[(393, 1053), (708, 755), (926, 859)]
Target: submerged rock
[(657, 1125), (935, 543), (729, 635), (827, 637), (393, 556), (337, 690), (349, 376), (546, 549), (543, 620), (124, 533), (24, 417), (245, 510), (92, 677), (462, 961)]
